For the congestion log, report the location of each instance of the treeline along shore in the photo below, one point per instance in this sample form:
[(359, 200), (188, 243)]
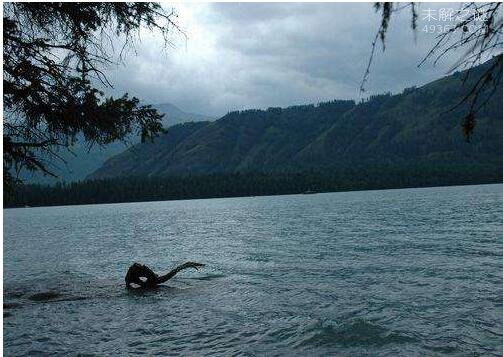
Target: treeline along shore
[(141, 188)]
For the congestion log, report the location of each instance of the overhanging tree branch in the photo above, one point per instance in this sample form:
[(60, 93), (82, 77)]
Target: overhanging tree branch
[(479, 41), (53, 55)]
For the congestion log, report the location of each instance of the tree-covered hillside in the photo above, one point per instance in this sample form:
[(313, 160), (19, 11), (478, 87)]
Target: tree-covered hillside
[(414, 127), (412, 139)]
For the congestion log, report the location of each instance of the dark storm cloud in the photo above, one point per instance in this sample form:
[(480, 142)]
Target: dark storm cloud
[(248, 55)]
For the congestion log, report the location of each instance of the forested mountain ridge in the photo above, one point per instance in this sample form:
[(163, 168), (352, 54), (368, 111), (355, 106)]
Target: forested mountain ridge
[(416, 126), (82, 161)]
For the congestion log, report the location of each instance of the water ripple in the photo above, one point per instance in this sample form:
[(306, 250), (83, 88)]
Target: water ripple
[(380, 273)]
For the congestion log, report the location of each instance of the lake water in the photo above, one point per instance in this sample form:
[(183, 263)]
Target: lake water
[(393, 272)]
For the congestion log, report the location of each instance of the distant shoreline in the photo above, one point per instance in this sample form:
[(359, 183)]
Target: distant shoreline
[(500, 182)]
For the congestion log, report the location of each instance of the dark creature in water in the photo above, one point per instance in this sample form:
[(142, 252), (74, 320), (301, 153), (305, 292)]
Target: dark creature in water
[(145, 278)]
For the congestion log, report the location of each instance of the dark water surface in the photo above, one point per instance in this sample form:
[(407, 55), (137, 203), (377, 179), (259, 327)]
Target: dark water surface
[(395, 272)]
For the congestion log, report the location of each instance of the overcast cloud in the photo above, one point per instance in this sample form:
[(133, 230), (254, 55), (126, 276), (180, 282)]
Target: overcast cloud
[(256, 55)]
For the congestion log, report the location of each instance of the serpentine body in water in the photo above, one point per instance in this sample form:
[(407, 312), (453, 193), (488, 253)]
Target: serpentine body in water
[(145, 278)]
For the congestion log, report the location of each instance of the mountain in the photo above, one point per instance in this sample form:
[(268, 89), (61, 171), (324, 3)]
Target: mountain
[(174, 115), (82, 161), (414, 127)]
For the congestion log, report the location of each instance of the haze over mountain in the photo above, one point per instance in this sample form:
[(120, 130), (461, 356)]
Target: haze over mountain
[(174, 115), (84, 161), (414, 127)]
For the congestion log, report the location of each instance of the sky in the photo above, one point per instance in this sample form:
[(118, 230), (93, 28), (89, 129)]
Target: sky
[(238, 56)]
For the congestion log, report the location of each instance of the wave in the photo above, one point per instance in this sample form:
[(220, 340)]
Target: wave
[(44, 296), (356, 333)]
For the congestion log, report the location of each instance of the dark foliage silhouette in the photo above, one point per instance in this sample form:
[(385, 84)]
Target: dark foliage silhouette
[(54, 60)]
